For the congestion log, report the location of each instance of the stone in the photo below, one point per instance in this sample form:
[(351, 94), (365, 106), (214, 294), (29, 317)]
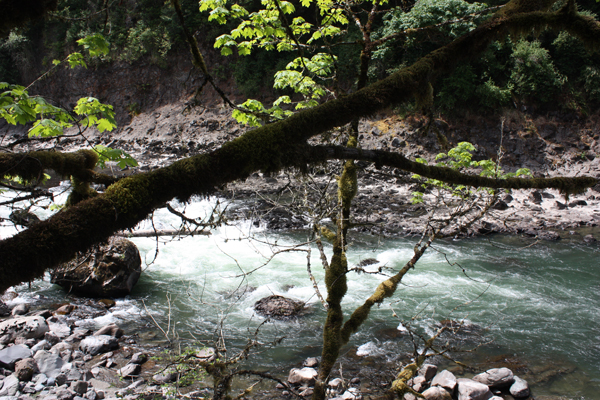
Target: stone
[(578, 203), (64, 394), (418, 383), (65, 309), (108, 303), (351, 394), (139, 358), (111, 330), (305, 376), (469, 389), (500, 205), (60, 329), (27, 327), (307, 392), (437, 393), (428, 371), (20, 309), (48, 363), (25, 368), (10, 386), (10, 355), (335, 384), (278, 307), (367, 261), (520, 388), (51, 338), (4, 309), (206, 354), (130, 370), (165, 377), (446, 380), (536, 197), (589, 239), (110, 269), (311, 362), (23, 217), (79, 387), (93, 345), (495, 377)]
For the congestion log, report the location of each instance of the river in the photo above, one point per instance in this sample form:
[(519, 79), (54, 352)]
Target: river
[(534, 307)]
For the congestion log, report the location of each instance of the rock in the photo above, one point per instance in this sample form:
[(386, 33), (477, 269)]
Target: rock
[(206, 354), (93, 345), (166, 377), (41, 345), (367, 261), (578, 203), (437, 393), (79, 387), (495, 377), (25, 368), (130, 370), (549, 235), (10, 355), (305, 376), (520, 388), (311, 362), (468, 389), (27, 327), (20, 309), (500, 205), (307, 392), (10, 386), (139, 358), (59, 329), (536, 197), (560, 206), (64, 394), (111, 330), (418, 383), (65, 310), (351, 394), (589, 239), (278, 307), (23, 217), (428, 371), (335, 384), (446, 380), (48, 364), (108, 303), (4, 309), (107, 270)]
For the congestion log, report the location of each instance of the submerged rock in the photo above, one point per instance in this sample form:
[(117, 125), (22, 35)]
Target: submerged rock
[(107, 270), (278, 307)]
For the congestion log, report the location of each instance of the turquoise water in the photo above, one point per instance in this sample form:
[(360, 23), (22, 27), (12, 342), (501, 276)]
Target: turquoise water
[(537, 306)]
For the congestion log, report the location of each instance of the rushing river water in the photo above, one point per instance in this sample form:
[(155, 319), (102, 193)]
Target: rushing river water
[(538, 306)]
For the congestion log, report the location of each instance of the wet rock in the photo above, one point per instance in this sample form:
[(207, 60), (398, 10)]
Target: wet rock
[(468, 389), (305, 376), (278, 307), (307, 392), (25, 368), (10, 355), (500, 205), (578, 203), (130, 370), (110, 330), (437, 393), (428, 371), (93, 345), (206, 354), (495, 377), (336, 384), (65, 310), (418, 383), (20, 309), (107, 270), (589, 239), (60, 329), (139, 358), (165, 377), (108, 303), (367, 261), (560, 206), (446, 380), (27, 327), (536, 197), (48, 363), (548, 235), (23, 218), (520, 388), (311, 362)]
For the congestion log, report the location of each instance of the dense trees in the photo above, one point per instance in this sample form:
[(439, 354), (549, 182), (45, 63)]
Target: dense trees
[(283, 141)]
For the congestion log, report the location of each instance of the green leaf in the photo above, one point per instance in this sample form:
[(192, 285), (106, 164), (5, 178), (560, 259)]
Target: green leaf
[(95, 44)]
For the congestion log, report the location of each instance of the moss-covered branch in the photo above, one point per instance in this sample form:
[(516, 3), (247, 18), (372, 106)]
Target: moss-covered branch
[(566, 185)]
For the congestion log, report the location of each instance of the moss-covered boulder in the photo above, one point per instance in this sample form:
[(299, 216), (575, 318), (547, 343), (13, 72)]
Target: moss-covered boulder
[(110, 269)]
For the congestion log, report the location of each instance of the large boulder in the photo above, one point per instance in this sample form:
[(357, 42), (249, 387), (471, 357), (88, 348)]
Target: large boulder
[(520, 388), (108, 270), (93, 345), (468, 389), (304, 376), (495, 377), (446, 380), (278, 307), (26, 327)]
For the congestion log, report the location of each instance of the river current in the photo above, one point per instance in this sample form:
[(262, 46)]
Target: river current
[(533, 307)]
